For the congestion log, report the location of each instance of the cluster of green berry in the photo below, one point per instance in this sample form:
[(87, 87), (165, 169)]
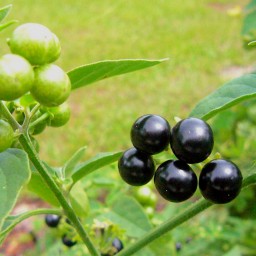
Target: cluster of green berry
[(191, 141), (28, 78)]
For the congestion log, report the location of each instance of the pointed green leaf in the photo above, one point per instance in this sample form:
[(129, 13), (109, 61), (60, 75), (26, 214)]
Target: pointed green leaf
[(249, 24), (87, 74), (40, 188), (14, 174), (79, 200), (129, 215), (73, 161), (251, 6), (93, 164), (7, 24), (230, 94), (253, 43), (5, 11)]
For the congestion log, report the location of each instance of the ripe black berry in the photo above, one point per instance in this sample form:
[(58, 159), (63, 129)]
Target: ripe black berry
[(150, 134), (52, 220), (192, 140), (220, 181), (175, 181), (117, 243), (67, 241), (135, 167)]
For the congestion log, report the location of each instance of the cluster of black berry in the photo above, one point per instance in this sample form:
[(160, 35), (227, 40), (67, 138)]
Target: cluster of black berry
[(53, 221), (191, 141)]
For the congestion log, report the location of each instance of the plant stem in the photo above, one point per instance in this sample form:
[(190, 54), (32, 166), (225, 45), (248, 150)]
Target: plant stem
[(166, 226), (19, 218), (62, 200), (39, 120), (15, 125), (170, 224)]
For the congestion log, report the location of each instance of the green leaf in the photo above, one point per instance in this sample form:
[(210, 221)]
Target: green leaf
[(128, 214), (7, 24), (40, 188), (73, 161), (230, 94), (4, 11), (250, 6), (14, 174), (87, 74), (13, 220), (79, 200), (253, 43), (93, 164)]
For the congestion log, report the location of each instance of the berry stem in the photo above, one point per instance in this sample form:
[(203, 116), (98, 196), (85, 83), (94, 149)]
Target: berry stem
[(5, 111), (39, 120), (24, 140)]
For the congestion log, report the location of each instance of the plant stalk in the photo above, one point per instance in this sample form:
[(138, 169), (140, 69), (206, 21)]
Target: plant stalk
[(62, 200), (170, 224), (166, 226)]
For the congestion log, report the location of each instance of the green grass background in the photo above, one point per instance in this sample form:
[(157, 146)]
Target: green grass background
[(198, 37)]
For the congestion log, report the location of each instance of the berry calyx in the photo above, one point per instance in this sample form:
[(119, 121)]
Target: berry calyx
[(135, 167), (150, 134), (192, 140), (220, 181), (175, 181)]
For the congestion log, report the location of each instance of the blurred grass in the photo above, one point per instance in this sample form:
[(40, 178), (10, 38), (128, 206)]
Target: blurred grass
[(198, 36)]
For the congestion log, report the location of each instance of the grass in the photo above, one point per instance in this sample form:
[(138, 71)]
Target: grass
[(198, 36)]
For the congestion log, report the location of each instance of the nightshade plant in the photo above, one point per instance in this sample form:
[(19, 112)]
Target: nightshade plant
[(27, 106)]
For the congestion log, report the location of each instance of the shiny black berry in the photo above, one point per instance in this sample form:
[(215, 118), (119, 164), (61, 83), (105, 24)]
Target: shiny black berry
[(220, 181), (192, 140), (117, 243), (175, 181), (135, 167), (150, 134), (67, 241), (52, 220)]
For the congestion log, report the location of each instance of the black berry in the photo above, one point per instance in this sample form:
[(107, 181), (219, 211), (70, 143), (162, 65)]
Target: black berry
[(150, 134), (52, 220), (192, 140), (135, 167), (220, 181), (67, 241), (175, 181), (117, 243)]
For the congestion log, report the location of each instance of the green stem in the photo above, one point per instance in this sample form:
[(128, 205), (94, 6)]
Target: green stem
[(166, 226), (54, 188), (16, 219), (5, 111), (40, 119), (170, 224)]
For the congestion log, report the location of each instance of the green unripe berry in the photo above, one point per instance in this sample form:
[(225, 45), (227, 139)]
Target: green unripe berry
[(36, 43), (60, 115), (52, 85), (16, 77), (6, 135)]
